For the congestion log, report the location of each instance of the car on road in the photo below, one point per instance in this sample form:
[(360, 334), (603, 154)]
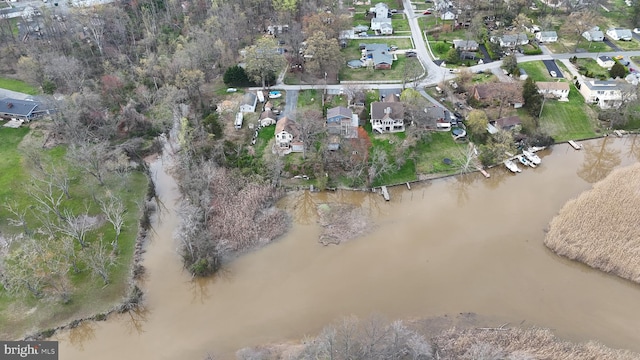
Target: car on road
[(410, 54), (553, 73), (426, 12), (636, 30)]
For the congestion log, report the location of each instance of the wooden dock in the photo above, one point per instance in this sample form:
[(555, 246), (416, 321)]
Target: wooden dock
[(385, 193), (575, 145), (484, 172)]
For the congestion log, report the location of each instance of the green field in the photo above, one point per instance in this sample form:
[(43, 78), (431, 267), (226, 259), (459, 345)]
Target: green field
[(432, 153), (369, 74), (400, 25), (390, 143), (567, 120), (628, 45), (17, 85), (536, 70), (592, 66), (89, 295)]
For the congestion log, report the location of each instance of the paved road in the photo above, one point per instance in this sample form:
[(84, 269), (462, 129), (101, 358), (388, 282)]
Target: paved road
[(4, 93)]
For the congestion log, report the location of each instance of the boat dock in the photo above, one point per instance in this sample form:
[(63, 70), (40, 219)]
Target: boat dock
[(385, 193), (484, 172), (575, 145)]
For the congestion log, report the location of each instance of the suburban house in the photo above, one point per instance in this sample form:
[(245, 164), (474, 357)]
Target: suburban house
[(379, 56), (606, 94), (448, 15), (288, 136), (547, 36), (620, 34), (248, 103), (499, 91), (605, 61), (506, 123), (358, 99), (382, 26), (554, 89), (342, 121), (381, 10), (18, 109), (267, 118), (465, 45), (594, 34), (512, 40), (387, 117), (439, 116)]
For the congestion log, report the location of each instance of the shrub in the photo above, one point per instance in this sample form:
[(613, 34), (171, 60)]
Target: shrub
[(236, 76)]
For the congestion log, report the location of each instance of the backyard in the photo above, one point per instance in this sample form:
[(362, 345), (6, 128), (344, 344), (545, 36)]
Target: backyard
[(590, 68), (432, 151), (536, 70), (572, 120), (369, 74), (17, 85)]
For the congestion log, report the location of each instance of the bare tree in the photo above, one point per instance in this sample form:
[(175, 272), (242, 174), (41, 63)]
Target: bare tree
[(113, 209), (99, 259), (91, 158)]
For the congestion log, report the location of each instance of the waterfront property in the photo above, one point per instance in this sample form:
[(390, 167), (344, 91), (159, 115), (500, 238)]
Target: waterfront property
[(606, 94), (387, 117)]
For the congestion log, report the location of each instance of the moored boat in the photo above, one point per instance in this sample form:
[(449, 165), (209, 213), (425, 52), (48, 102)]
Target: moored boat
[(575, 145), (531, 156), (526, 162), (512, 166)]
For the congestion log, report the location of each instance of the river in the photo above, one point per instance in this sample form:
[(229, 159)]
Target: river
[(460, 244)]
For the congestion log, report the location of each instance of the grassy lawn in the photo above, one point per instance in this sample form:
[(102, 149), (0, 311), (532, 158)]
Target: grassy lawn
[(590, 65), (17, 85), (558, 47), (400, 25), (536, 70), (395, 73), (448, 35), (440, 48), (432, 153), (89, 296), (567, 120), (265, 135), (389, 143), (618, 14), (309, 99), (628, 45)]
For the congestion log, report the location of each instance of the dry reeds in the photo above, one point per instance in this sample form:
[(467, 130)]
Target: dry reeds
[(600, 228)]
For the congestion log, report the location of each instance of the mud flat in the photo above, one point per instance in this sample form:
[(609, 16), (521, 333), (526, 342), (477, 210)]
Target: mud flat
[(600, 227)]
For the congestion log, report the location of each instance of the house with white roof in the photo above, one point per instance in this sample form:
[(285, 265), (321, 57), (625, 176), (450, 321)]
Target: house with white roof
[(606, 94), (620, 34), (594, 34), (547, 36)]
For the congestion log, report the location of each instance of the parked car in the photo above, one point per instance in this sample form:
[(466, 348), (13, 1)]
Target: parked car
[(625, 62), (426, 12), (393, 48), (636, 30), (411, 54), (553, 73)]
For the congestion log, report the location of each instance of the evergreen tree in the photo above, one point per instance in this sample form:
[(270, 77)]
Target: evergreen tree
[(532, 99), (618, 71), (235, 76)]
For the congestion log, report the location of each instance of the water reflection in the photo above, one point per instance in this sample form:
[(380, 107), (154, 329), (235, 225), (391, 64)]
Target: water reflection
[(81, 334), (633, 147), (599, 160), (200, 287), (462, 185), (135, 319)]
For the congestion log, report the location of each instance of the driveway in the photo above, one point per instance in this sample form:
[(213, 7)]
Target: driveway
[(611, 44), (291, 103), (552, 66), (485, 53)]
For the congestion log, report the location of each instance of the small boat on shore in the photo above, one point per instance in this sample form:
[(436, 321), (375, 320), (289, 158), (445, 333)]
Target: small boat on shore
[(531, 156), (575, 145), (512, 166), (526, 162)]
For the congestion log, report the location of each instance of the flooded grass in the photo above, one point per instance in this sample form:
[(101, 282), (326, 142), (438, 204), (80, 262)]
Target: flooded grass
[(600, 227)]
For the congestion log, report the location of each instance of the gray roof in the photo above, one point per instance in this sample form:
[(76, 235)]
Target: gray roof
[(602, 84), (434, 113), (467, 44), (381, 20), (622, 33), (379, 110), (594, 34), (360, 28), (604, 58), (547, 34), (379, 53), (17, 107), (339, 111), (513, 38), (249, 99)]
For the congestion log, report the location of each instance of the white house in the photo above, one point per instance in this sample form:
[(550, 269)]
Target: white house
[(606, 94), (511, 40), (248, 103), (288, 136), (387, 117), (381, 10), (620, 34), (554, 89), (448, 15), (267, 118), (547, 36), (593, 34), (465, 45), (605, 61), (382, 25)]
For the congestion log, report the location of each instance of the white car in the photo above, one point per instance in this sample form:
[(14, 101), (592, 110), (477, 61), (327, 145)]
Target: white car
[(636, 30), (232, 90), (553, 73)]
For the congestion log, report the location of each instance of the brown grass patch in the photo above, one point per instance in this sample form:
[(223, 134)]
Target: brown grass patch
[(341, 222), (600, 227)]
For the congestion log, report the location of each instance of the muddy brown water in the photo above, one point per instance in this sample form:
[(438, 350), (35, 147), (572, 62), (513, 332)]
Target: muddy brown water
[(461, 244)]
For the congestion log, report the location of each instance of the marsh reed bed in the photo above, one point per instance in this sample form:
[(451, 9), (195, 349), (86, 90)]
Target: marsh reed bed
[(600, 228)]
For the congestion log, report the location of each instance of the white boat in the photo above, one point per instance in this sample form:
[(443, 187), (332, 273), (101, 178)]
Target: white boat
[(575, 145), (532, 157), (526, 162), (512, 166)]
